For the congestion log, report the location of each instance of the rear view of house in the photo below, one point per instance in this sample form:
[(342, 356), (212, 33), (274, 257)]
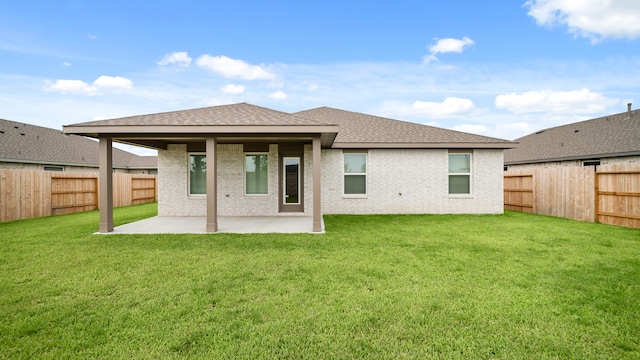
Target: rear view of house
[(263, 162)]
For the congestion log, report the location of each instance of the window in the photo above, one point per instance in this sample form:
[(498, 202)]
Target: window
[(256, 168), (593, 163), (53, 168), (355, 174), (459, 174), (197, 174)]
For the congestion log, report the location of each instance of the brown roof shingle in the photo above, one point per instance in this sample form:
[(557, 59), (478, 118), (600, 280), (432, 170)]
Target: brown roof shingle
[(608, 136), (234, 114), (368, 129), (353, 129)]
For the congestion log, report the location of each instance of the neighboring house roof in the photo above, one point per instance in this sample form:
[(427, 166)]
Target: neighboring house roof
[(24, 143), (338, 128), (609, 136), (368, 131)]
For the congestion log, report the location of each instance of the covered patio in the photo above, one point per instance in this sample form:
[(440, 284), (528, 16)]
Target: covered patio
[(226, 224), (203, 131)]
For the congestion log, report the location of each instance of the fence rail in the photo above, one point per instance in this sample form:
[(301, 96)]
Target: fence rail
[(609, 194), (28, 194)]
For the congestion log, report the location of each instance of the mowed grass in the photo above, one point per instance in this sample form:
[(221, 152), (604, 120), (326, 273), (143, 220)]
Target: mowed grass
[(513, 286)]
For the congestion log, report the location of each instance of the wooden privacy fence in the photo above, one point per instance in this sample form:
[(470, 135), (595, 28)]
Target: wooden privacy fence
[(609, 195), (28, 194)]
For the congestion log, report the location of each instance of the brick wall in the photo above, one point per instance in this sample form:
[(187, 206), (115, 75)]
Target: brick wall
[(398, 181), (173, 184), (413, 181)]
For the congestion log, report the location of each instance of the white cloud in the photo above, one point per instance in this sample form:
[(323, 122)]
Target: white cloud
[(447, 45), (232, 89), (582, 101), (472, 128), (232, 68), (278, 95), (178, 59), (313, 87), (451, 106), (92, 37), (594, 19), (81, 87), (113, 82), (72, 86), (66, 64)]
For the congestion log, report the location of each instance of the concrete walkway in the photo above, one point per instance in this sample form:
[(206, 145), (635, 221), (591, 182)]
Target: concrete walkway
[(226, 224)]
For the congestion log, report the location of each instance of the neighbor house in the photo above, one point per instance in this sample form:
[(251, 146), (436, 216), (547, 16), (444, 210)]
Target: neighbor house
[(259, 162), (613, 139), (24, 146)]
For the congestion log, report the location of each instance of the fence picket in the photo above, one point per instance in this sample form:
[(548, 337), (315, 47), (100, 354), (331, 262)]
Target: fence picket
[(610, 194), (34, 193)]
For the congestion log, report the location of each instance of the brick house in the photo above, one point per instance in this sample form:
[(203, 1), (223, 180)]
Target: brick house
[(31, 147), (324, 160), (607, 140)]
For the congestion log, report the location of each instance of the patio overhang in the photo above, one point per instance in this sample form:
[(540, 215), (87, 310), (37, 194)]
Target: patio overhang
[(205, 138), (159, 137)]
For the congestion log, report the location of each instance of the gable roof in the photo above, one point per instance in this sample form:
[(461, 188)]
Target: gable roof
[(608, 136), (225, 121), (24, 143), (338, 128), (369, 131), (241, 114)]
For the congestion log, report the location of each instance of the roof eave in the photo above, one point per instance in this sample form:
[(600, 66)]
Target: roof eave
[(62, 163), (571, 158), (105, 130), (124, 133), (443, 145)]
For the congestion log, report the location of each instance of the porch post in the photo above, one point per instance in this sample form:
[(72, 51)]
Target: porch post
[(212, 185), (317, 212), (105, 181)]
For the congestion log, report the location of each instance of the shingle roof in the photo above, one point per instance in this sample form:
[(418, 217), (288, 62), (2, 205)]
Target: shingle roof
[(234, 114), (368, 129), (35, 144), (353, 129), (608, 136)]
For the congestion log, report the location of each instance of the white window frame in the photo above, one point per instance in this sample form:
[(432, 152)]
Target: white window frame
[(366, 177), (244, 173), (189, 173), (470, 174)]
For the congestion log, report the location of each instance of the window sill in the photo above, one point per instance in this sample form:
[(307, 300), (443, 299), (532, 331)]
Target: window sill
[(355, 196), (460, 196)]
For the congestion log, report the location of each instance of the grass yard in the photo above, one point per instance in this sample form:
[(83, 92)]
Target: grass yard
[(513, 286)]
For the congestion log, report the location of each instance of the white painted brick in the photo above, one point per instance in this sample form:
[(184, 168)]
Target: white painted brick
[(398, 181), (412, 181)]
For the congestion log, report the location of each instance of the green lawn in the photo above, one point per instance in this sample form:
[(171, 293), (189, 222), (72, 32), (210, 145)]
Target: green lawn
[(513, 286)]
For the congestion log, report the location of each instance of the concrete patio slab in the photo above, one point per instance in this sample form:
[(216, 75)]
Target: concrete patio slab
[(226, 224)]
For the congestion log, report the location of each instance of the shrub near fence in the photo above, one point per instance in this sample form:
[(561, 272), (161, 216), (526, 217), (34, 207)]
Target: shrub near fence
[(609, 194), (28, 194)]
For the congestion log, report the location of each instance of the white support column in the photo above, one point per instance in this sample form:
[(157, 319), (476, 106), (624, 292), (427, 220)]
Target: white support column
[(212, 185), (317, 210), (105, 181)]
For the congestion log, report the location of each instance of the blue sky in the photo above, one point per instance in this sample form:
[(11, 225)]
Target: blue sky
[(500, 68)]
